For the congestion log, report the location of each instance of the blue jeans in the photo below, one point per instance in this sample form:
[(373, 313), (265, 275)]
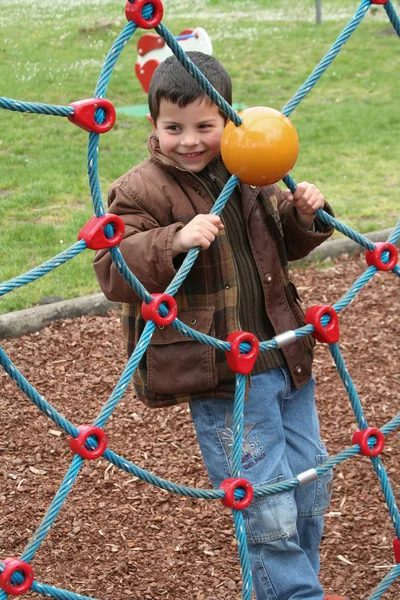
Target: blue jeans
[(281, 439)]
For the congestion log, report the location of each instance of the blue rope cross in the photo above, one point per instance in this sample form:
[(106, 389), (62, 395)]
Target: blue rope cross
[(132, 364)]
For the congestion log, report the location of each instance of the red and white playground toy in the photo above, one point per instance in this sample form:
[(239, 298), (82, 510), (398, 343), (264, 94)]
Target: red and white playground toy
[(152, 50)]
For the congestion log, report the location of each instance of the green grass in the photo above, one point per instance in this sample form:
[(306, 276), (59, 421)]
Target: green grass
[(52, 52)]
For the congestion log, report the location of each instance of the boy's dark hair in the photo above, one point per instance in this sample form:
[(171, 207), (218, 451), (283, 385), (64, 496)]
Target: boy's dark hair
[(172, 82)]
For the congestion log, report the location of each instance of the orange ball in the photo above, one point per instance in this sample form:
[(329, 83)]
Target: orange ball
[(263, 149)]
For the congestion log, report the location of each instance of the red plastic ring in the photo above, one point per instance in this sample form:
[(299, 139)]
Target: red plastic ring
[(150, 311), (361, 438), (374, 257), (230, 485), (396, 548), (93, 231), (78, 444), (379, 1), (84, 115), (12, 566), (133, 12), (329, 334), (238, 362)]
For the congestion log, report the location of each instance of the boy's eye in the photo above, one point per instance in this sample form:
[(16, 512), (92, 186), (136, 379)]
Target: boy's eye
[(204, 126), (173, 128)]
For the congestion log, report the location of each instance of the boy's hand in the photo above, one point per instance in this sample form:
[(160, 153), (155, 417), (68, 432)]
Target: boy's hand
[(307, 199), (200, 231)]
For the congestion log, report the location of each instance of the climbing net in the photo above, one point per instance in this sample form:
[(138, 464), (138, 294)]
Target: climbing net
[(97, 115)]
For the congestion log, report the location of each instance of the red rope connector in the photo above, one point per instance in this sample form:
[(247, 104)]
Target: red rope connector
[(84, 113), (396, 548), (133, 12), (93, 232), (329, 334), (238, 362), (374, 257), (12, 566), (78, 444), (150, 311), (229, 486), (361, 438), (379, 1)]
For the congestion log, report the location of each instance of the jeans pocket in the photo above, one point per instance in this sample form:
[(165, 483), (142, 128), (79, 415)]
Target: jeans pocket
[(324, 487), (270, 518)]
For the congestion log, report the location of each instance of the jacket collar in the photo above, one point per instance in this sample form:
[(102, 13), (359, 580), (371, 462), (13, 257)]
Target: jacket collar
[(168, 163), (157, 156), (250, 193)]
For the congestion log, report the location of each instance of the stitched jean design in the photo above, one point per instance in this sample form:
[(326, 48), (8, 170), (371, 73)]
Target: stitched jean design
[(270, 518)]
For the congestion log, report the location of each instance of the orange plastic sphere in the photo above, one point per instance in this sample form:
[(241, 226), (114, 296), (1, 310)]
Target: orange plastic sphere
[(263, 149)]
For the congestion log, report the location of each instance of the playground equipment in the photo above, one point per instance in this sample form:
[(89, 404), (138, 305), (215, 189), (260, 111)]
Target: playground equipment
[(88, 442), (265, 137), (152, 50)]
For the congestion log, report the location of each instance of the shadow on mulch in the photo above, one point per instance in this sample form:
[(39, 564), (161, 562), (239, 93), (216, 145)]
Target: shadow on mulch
[(119, 538)]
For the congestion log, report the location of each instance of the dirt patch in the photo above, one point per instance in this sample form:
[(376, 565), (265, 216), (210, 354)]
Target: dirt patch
[(96, 28), (119, 538)]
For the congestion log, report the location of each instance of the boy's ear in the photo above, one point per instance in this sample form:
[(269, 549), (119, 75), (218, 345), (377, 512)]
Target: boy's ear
[(151, 121)]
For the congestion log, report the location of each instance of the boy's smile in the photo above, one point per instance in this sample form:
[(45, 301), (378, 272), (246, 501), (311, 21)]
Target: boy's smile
[(190, 135)]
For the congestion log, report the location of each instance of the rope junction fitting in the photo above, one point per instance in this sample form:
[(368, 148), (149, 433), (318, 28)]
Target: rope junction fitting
[(97, 115)]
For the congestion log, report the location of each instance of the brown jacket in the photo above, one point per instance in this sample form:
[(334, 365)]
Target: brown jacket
[(155, 199)]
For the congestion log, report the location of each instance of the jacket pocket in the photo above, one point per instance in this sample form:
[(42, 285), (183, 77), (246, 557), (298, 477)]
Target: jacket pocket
[(178, 365)]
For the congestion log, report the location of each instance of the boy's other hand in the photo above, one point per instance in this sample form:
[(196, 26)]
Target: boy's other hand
[(307, 199), (200, 231)]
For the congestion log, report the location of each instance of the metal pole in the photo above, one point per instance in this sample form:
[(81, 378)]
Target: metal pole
[(318, 9)]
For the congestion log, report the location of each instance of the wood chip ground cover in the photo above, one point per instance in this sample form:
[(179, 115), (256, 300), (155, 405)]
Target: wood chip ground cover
[(119, 538)]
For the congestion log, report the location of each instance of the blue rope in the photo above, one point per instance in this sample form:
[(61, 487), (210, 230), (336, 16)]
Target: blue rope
[(238, 422), (133, 362), (126, 376), (100, 91), (53, 510), (243, 555), (33, 395), (198, 75), (43, 269), (327, 60), (193, 252), (238, 412), (395, 234), (36, 107), (386, 582), (164, 484), (45, 590), (349, 386), (393, 17), (355, 288), (127, 274)]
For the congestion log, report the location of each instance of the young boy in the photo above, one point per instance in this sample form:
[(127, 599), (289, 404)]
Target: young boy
[(239, 282)]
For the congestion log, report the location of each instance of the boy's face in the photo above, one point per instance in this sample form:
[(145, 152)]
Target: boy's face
[(191, 135)]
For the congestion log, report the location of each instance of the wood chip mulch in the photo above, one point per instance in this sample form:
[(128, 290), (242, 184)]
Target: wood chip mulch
[(119, 538)]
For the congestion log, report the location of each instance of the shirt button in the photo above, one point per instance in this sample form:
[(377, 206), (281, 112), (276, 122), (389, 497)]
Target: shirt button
[(268, 278), (227, 287), (198, 192), (298, 370)]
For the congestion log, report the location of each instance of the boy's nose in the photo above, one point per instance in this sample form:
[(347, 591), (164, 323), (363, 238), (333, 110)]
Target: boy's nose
[(190, 140)]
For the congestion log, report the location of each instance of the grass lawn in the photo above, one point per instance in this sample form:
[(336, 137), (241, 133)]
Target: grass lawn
[(53, 51)]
